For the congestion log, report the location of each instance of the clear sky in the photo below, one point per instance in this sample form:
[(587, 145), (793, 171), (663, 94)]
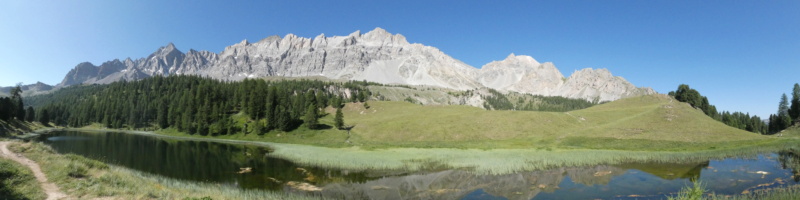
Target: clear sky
[(741, 54)]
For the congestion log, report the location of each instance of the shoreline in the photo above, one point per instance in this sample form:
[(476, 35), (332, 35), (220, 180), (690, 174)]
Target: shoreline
[(479, 161)]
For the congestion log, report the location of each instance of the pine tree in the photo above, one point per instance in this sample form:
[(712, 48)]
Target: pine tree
[(794, 109), (298, 108), (162, 116), (30, 114), (18, 109), (322, 100), (783, 106), (336, 102), (272, 104), (44, 117), (5, 108), (784, 120), (311, 116), (339, 119), (284, 119), (362, 96), (311, 98)]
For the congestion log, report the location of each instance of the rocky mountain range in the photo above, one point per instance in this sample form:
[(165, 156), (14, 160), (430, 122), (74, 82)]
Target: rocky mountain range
[(376, 56), (27, 90)]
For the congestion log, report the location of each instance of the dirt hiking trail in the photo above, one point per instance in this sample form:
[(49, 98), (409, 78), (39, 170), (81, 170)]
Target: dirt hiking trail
[(49, 188)]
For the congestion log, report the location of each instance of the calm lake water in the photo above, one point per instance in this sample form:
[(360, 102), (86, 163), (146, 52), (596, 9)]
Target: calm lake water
[(220, 163)]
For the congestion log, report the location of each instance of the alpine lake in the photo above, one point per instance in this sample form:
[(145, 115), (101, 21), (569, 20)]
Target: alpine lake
[(252, 167)]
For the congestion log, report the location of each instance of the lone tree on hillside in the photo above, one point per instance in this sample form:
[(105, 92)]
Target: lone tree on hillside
[(339, 119)]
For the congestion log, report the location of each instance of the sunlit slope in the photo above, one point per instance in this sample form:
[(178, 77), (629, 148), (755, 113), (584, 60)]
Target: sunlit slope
[(655, 117), (648, 119), (411, 124)]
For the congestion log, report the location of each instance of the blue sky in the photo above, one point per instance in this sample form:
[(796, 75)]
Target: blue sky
[(741, 54)]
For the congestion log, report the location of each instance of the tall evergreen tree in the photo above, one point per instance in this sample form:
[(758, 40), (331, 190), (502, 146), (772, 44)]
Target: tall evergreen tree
[(18, 109), (338, 120), (311, 98), (272, 105), (163, 115), (284, 119), (784, 120), (298, 107), (794, 109), (783, 106), (30, 114), (322, 100), (336, 102), (44, 117), (311, 116), (5, 108)]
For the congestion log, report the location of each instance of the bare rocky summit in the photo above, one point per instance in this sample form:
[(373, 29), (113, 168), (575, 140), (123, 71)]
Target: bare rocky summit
[(376, 56)]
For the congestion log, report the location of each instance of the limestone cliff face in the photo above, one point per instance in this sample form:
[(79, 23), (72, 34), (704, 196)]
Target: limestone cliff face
[(376, 56)]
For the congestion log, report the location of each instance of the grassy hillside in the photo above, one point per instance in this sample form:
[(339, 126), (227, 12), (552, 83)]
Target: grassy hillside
[(15, 127), (646, 122)]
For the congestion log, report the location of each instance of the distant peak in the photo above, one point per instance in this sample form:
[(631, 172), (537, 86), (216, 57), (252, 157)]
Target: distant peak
[(522, 58), (164, 50), (377, 33), (377, 30), (356, 34), (85, 64), (167, 48)]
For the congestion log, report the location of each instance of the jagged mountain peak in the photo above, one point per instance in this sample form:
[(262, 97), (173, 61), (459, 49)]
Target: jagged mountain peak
[(522, 59), (379, 36), (84, 65), (169, 47), (168, 50), (357, 33), (377, 33)]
